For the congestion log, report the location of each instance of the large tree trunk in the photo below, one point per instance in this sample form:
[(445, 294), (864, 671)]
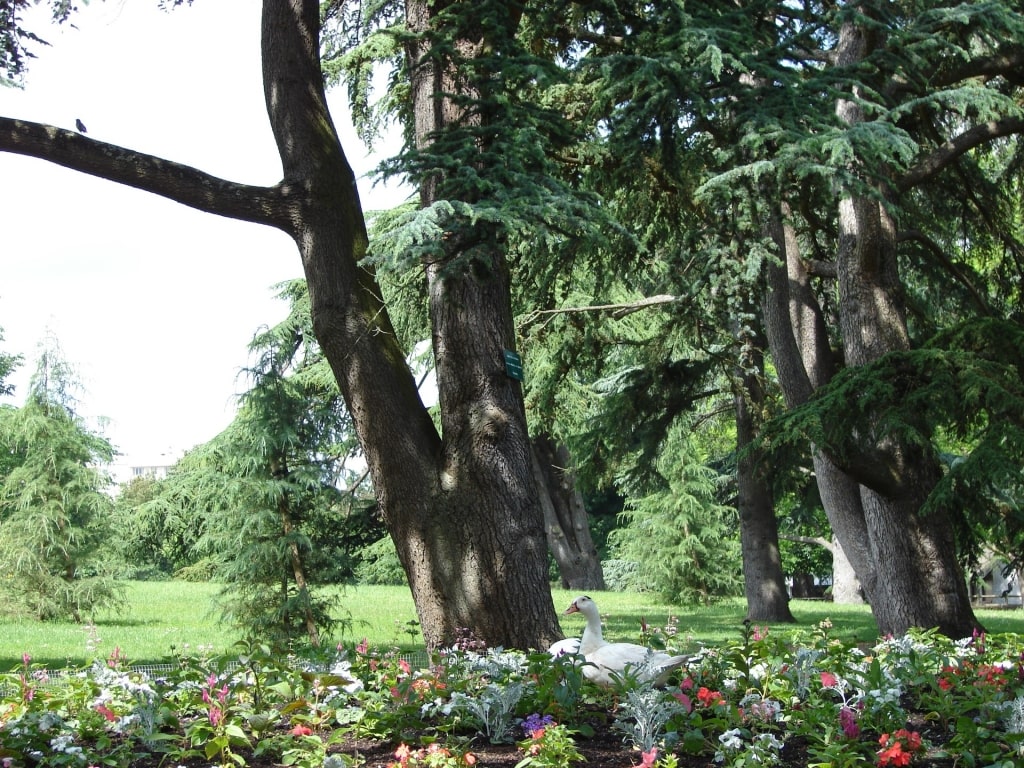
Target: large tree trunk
[(920, 582), (565, 517), (462, 511), (906, 564), (478, 559), (764, 583), (798, 339)]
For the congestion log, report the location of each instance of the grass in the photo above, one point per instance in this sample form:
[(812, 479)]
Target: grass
[(174, 616)]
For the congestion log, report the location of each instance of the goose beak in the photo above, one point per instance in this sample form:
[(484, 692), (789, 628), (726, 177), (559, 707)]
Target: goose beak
[(571, 609)]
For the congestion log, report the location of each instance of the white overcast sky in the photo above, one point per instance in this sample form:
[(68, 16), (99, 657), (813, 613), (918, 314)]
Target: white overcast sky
[(153, 302)]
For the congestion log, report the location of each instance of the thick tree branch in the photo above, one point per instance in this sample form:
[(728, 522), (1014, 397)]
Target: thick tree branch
[(175, 181), (949, 151), (820, 268), (818, 540), (1007, 62), (935, 251)]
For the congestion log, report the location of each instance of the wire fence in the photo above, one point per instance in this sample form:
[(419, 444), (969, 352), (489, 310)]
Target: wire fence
[(42, 678)]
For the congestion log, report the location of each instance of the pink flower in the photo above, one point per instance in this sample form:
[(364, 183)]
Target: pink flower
[(106, 711), (403, 753), (404, 666), (648, 758), (301, 730), (683, 699), (828, 679), (116, 658)]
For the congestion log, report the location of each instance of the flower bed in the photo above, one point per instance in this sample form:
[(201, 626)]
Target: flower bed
[(764, 700)]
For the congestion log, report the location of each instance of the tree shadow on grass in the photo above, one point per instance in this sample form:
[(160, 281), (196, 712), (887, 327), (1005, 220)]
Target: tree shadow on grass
[(720, 622), (126, 622)]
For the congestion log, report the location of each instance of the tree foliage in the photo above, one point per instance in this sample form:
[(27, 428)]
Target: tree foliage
[(682, 539), (783, 171), (260, 501), (54, 514)]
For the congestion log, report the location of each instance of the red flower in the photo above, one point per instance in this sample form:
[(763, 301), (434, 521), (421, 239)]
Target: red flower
[(301, 730), (106, 711), (709, 698), (894, 755), (828, 680), (897, 748), (911, 738)]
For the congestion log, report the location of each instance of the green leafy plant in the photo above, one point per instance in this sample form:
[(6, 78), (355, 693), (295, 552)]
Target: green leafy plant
[(548, 744)]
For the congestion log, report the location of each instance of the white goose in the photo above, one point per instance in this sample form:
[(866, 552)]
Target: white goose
[(608, 661)]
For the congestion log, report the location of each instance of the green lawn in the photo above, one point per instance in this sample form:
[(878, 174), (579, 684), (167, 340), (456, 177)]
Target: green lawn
[(168, 617)]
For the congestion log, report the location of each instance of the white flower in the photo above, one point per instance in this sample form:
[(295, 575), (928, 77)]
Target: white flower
[(758, 671), (732, 739), (769, 740)]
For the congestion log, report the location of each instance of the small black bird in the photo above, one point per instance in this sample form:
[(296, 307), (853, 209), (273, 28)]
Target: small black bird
[(80, 126)]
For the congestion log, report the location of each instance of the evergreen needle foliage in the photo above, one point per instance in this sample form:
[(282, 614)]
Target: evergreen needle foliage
[(54, 514), (679, 535)]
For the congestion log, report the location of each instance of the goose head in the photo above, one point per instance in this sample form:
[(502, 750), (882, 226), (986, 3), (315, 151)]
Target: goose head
[(582, 604)]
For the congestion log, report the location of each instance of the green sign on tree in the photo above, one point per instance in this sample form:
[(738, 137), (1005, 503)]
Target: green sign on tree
[(513, 365)]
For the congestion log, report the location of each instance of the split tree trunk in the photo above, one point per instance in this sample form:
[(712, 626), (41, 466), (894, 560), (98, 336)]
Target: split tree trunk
[(462, 510), (798, 339), (565, 518), (920, 582)]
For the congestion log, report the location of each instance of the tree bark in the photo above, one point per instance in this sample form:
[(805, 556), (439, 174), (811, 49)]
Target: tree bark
[(764, 583), (479, 560), (565, 517), (920, 582)]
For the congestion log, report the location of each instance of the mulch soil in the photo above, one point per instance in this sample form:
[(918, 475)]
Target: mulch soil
[(605, 749)]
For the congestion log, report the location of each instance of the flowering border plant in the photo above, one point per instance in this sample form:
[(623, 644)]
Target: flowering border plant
[(760, 701)]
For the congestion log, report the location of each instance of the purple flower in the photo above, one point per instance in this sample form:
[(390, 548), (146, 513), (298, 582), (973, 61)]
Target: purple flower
[(535, 722)]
